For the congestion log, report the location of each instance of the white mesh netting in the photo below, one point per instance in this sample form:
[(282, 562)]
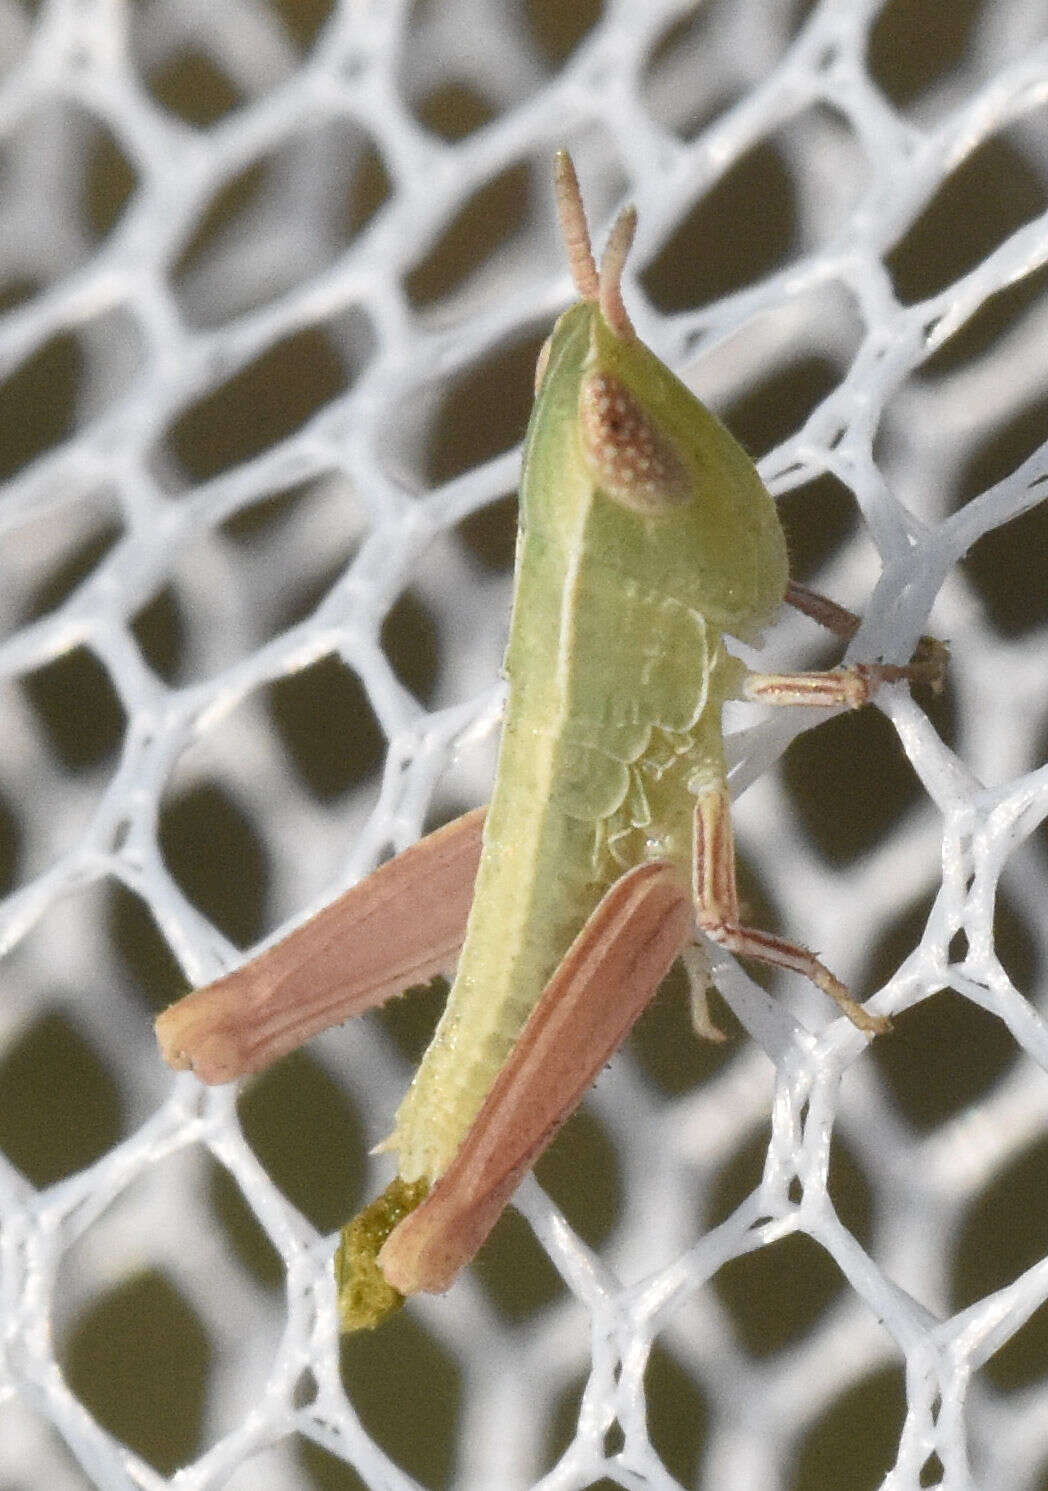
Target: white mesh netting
[(274, 282)]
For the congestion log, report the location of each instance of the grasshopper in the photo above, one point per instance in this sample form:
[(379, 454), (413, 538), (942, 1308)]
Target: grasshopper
[(646, 536)]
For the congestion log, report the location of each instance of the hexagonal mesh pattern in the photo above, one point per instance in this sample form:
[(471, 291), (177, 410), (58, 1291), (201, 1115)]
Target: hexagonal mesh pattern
[(274, 283)]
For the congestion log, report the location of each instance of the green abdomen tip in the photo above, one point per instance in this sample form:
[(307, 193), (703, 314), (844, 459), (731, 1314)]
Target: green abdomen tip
[(364, 1297)]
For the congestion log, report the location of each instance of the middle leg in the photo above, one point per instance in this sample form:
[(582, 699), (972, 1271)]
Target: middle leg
[(717, 911)]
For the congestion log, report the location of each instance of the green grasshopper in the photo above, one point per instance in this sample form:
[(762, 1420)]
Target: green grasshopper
[(646, 535)]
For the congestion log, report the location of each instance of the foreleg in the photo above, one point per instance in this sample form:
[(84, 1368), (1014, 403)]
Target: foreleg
[(855, 684), (851, 685)]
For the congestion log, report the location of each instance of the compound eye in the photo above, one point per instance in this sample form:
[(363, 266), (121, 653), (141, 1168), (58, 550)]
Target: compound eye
[(541, 364), (632, 461)]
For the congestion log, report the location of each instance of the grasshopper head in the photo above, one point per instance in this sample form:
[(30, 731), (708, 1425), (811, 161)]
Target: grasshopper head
[(677, 505)]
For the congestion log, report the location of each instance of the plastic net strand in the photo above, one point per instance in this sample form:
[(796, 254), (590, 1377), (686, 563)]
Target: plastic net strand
[(274, 282)]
